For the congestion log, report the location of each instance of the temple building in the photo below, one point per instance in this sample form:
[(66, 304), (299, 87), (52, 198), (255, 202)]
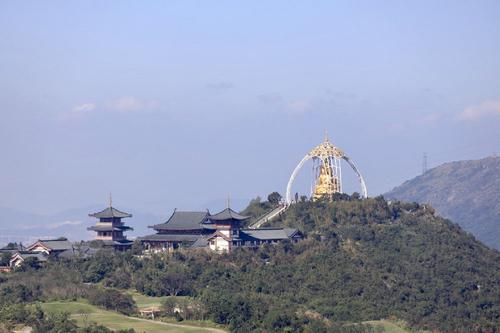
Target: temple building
[(219, 232), (110, 228), (43, 249), (181, 229), (51, 246), (19, 257), (228, 232)]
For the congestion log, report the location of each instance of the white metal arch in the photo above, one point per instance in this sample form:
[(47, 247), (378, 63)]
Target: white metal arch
[(288, 197), (364, 191)]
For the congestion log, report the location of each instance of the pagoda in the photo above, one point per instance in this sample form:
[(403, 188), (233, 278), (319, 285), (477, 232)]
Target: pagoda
[(110, 228)]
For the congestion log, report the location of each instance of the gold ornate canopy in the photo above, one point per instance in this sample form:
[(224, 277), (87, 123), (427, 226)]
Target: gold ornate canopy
[(326, 149)]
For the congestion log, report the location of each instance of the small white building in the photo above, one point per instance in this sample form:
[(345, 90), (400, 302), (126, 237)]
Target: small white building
[(42, 249)]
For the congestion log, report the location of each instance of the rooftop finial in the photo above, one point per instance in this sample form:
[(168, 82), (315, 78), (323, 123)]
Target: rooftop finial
[(326, 135), (110, 200), (228, 201)]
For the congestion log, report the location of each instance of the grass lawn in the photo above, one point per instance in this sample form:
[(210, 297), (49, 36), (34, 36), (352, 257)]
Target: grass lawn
[(81, 312), (144, 301), (387, 326), (117, 321)]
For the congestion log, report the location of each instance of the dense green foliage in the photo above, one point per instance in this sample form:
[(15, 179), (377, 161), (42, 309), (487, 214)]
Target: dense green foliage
[(257, 208), (5, 259), (111, 299), (362, 260), (467, 192)]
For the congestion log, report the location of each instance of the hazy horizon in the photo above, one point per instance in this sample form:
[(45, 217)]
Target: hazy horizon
[(179, 104)]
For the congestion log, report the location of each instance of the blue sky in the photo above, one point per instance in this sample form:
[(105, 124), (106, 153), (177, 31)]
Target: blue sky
[(178, 103)]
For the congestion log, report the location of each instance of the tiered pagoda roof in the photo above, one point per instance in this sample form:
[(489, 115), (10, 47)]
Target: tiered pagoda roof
[(109, 228), (227, 215), (124, 241), (110, 212)]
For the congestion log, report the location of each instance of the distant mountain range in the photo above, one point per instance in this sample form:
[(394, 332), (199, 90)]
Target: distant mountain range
[(26, 227), (18, 226), (467, 192)]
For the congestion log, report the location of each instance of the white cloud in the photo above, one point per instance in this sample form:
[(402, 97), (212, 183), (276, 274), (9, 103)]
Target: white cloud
[(431, 118), (84, 107), (270, 98), (220, 86), (54, 225), (61, 224), (77, 112), (130, 104), (123, 104), (485, 109), (290, 106), (299, 106)]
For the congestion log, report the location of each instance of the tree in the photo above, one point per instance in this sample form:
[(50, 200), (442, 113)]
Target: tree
[(274, 198), (112, 299), (29, 264), (174, 280), (12, 246), (137, 247), (5, 259)]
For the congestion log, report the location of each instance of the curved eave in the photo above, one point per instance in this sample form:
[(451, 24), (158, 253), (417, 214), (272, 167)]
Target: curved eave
[(227, 215), (124, 228), (110, 212)]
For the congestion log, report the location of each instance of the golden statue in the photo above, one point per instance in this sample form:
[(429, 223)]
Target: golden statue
[(327, 183)]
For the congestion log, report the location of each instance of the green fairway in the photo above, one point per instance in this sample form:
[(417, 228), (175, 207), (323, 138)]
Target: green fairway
[(144, 301), (387, 326), (83, 312)]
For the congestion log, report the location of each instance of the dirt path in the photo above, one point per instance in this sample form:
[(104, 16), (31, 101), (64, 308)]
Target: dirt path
[(25, 329), (208, 329)]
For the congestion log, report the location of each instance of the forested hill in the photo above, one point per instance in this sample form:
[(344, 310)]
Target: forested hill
[(377, 260), (362, 260), (467, 192)]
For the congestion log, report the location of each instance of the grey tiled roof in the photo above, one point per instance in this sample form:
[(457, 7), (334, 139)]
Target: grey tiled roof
[(83, 251), (170, 238), (38, 255), (200, 243), (183, 221), (110, 212), (267, 233), (227, 214), (109, 228), (68, 254), (86, 251), (57, 244), (117, 242)]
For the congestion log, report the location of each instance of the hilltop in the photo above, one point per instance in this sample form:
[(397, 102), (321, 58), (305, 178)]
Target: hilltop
[(363, 260), (467, 192)]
